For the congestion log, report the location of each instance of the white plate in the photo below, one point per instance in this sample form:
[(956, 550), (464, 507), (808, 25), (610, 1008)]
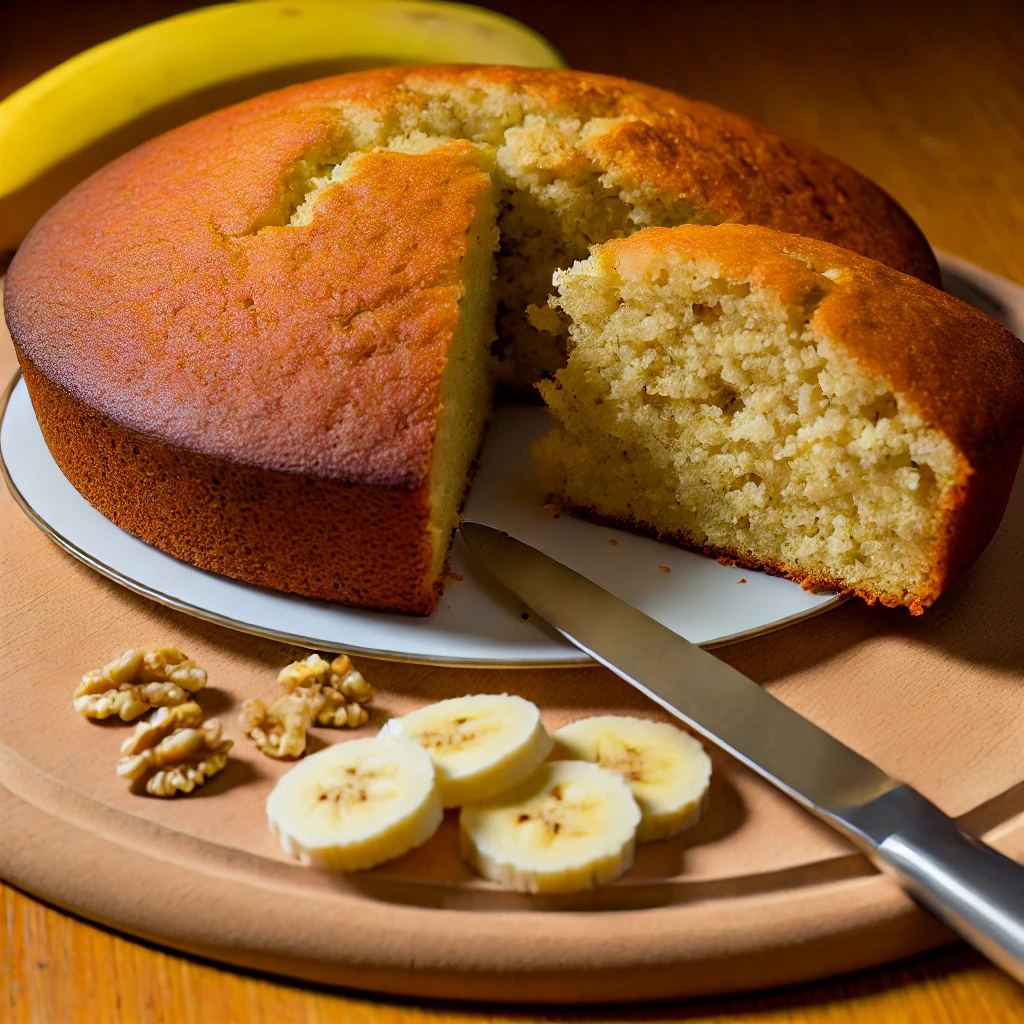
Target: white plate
[(475, 622)]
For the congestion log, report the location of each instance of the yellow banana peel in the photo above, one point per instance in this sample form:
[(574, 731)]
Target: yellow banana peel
[(67, 123)]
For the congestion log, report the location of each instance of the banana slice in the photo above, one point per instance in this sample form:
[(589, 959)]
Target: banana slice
[(569, 826), (667, 768), (480, 745), (356, 804)]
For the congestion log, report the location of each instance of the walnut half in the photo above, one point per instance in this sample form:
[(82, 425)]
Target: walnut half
[(280, 730), (175, 751), (140, 679), (334, 690)]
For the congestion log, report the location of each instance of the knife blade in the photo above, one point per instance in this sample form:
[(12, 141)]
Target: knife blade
[(971, 887)]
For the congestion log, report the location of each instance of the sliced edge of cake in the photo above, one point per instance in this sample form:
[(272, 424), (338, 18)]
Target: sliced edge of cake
[(784, 404)]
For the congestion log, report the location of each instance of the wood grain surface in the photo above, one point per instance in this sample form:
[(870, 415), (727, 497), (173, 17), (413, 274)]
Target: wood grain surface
[(928, 100)]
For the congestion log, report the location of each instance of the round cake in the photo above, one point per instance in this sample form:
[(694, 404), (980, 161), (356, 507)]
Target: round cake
[(265, 342)]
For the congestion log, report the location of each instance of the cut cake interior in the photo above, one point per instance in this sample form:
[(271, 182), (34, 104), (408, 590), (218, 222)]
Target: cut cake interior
[(729, 389)]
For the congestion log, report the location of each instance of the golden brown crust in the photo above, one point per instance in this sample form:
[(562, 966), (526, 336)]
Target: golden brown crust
[(315, 349), (298, 533), (970, 518), (716, 160)]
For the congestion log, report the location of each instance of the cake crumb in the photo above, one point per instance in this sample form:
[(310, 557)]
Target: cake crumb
[(614, 543), (744, 580), (549, 511), (664, 568)]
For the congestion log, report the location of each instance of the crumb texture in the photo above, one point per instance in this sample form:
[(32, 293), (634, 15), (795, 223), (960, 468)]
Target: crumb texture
[(715, 404)]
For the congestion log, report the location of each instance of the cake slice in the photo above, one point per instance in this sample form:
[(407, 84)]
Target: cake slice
[(784, 404)]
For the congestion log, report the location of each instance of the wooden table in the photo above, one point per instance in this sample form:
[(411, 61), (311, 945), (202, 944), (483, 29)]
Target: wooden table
[(928, 102)]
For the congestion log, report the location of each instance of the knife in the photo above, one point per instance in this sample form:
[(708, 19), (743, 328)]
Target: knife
[(972, 888)]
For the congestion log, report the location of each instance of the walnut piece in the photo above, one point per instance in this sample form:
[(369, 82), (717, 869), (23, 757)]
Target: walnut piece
[(280, 730), (141, 679), (349, 681), (329, 707), (334, 690), (309, 673), (175, 751)]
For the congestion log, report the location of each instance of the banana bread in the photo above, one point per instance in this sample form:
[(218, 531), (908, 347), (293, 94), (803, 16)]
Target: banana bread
[(260, 342)]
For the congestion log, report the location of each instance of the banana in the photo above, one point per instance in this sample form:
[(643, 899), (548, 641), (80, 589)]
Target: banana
[(356, 804), (78, 116), (668, 769), (480, 745), (569, 826)]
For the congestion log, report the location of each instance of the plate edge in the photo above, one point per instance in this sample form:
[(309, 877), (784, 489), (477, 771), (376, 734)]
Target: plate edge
[(313, 643)]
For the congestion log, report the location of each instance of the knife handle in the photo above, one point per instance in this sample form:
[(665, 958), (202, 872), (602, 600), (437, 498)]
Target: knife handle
[(970, 887)]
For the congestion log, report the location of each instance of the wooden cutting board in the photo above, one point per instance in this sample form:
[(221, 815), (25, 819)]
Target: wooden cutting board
[(759, 894)]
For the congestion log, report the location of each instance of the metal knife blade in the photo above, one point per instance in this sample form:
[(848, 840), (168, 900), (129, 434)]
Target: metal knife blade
[(974, 889), (709, 695)]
